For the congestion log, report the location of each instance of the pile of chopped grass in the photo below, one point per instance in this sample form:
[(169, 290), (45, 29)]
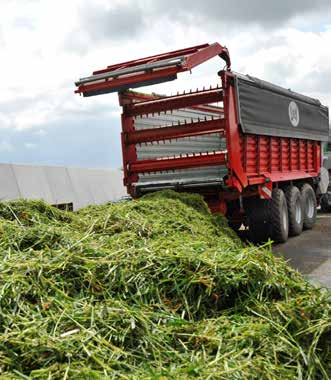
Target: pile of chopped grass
[(151, 289)]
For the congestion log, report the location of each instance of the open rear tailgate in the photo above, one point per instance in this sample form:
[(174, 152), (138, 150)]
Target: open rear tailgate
[(173, 142), (150, 70)]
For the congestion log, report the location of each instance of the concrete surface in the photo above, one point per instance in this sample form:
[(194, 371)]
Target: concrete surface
[(310, 252)]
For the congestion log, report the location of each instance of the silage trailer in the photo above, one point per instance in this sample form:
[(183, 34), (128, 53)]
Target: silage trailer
[(251, 148), (326, 198)]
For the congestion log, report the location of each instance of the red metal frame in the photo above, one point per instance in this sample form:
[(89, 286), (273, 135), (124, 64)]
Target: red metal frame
[(255, 163), (153, 69), (237, 177), (130, 137), (134, 96), (152, 58), (175, 132), (175, 102), (279, 159), (175, 163)]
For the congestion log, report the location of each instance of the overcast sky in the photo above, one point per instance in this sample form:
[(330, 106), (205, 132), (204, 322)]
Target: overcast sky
[(46, 45)]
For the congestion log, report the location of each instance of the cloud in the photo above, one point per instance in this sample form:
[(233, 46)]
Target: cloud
[(5, 121), (110, 22), (45, 49), (283, 58), (28, 111), (72, 131), (6, 147), (36, 111), (266, 14), (30, 145), (2, 39), (82, 142), (24, 23), (115, 23)]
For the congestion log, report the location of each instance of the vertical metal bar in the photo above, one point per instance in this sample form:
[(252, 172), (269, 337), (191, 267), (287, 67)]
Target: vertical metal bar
[(237, 176), (177, 131), (155, 165), (244, 137), (258, 152), (290, 154), (270, 154), (175, 102), (129, 153), (318, 156), (280, 154)]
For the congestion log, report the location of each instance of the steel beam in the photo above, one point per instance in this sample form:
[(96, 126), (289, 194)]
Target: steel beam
[(176, 131), (175, 102), (150, 70), (153, 58), (123, 83), (161, 164)]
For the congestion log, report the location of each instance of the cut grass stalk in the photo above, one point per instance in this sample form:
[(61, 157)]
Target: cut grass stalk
[(157, 289)]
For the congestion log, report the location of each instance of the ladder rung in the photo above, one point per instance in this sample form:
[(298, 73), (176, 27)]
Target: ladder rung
[(176, 131), (162, 164), (174, 102)]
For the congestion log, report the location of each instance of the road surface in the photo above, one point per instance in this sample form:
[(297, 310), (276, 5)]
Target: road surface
[(310, 252)]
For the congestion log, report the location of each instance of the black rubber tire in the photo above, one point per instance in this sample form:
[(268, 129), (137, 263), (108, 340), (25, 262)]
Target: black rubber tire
[(258, 232), (309, 201), (258, 221), (325, 204), (295, 217), (279, 216), (235, 225), (233, 215)]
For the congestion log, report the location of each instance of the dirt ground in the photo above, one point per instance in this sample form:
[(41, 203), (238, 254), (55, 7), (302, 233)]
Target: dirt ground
[(310, 252)]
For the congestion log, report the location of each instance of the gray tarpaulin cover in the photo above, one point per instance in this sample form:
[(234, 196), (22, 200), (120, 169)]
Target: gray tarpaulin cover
[(266, 109)]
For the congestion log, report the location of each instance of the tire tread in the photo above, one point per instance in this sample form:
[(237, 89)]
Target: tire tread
[(291, 194), (308, 223), (278, 234)]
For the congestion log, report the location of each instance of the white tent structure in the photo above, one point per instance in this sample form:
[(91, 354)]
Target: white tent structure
[(60, 185)]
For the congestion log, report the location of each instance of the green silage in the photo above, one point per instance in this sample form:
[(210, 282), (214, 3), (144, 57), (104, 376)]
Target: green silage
[(151, 289)]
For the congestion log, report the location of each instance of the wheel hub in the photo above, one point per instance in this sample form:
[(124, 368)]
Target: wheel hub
[(310, 207), (298, 211)]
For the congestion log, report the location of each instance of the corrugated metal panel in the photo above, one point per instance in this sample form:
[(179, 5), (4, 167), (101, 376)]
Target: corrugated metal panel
[(59, 185), (32, 183), (187, 145), (115, 184), (186, 175), (82, 188), (96, 186), (8, 183)]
